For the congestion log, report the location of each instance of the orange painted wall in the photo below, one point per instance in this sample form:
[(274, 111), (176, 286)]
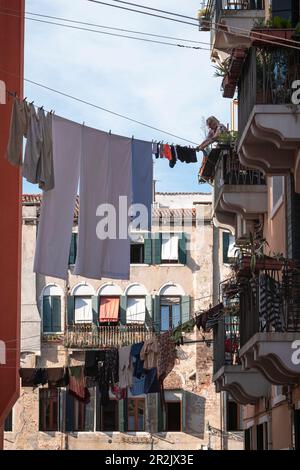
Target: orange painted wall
[(281, 427), (11, 72), (275, 227)]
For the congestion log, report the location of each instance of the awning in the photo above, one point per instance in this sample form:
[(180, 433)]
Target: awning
[(109, 309)]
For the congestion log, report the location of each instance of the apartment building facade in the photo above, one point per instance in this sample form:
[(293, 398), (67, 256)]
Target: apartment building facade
[(60, 322), (256, 198)]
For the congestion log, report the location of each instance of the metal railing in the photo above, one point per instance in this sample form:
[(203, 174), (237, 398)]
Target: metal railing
[(267, 78), (226, 342), (270, 304), (93, 336), (214, 7), (229, 171)]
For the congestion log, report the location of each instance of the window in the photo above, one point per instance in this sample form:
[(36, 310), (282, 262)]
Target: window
[(170, 313), (169, 248), (136, 310), (173, 416), (83, 310), (8, 422), (228, 247), (262, 436), (137, 253), (248, 439), (49, 409), (108, 417), (277, 187), (73, 249), (83, 413), (233, 416), (136, 415), (51, 313)]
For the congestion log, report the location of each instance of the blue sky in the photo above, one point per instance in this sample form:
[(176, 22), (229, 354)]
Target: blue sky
[(167, 87)]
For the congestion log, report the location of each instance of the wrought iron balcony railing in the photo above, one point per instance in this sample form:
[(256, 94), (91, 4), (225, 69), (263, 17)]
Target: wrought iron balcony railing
[(267, 78), (92, 336), (226, 342)]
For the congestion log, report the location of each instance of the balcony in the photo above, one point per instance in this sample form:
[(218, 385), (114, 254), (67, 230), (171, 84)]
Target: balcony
[(270, 324), (230, 23), (269, 137), (91, 336), (245, 386), (238, 191)]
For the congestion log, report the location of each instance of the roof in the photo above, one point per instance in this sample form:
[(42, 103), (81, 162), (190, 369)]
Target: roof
[(36, 199)]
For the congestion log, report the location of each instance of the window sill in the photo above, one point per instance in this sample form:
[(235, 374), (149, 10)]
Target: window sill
[(139, 264)]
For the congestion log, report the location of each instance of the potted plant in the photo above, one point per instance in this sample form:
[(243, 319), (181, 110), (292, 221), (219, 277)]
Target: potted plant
[(276, 26), (203, 17)]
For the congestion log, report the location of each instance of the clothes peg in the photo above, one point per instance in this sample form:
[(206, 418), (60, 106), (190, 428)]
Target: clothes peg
[(109, 131), (132, 137), (32, 102)]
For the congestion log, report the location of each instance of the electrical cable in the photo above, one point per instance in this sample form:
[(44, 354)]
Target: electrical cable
[(109, 34), (155, 9), (143, 12), (79, 100)]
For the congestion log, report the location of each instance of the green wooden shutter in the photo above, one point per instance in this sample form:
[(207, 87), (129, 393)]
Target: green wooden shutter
[(226, 237), (46, 314), (156, 313), (182, 249), (148, 250), (71, 309), (95, 308), (123, 307), (160, 414), (149, 308), (73, 249), (156, 248), (69, 412), (185, 308), (56, 313), (122, 415), (183, 411)]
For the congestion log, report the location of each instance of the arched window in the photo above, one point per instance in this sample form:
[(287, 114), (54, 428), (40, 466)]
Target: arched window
[(83, 294), (136, 304), (52, 313), (171, 302)]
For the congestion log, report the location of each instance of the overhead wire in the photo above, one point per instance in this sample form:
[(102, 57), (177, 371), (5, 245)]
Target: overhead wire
[(156, 9), (110, 34), (93, 105)]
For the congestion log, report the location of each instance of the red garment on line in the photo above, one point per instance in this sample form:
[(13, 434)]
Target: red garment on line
[(167, 152)]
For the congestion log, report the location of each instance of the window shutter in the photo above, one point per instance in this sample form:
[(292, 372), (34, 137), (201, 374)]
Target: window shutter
[(156, 313), (69, 412), (156, 248), (95, 308), (183, 411), (56, 313), (148, 250), (182, 249), (73, 249), (46, 314), (71, 309), (149, 307), (185, 308), (226, 239), (123, 307), (160, 414), (122, 415)]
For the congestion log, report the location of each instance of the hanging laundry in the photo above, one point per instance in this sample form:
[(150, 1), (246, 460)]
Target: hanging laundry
[(77, 384), (27, 376), (33, 145), (149, 353), (142, 181), (106, 175), (119, 393), (186, 154), (45, 168), (125, 367), (57, 211), (167, 152), (173, 160), (152, 384), (138, 386), (93, 361), (109, 309), (138, 364), (18, 130)]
